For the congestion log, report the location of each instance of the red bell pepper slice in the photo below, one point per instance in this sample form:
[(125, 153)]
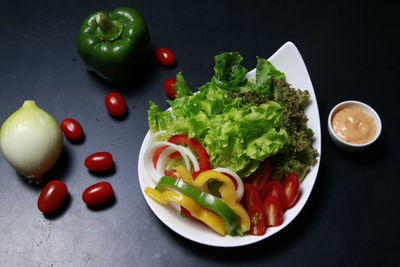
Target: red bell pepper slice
[(204, 161)]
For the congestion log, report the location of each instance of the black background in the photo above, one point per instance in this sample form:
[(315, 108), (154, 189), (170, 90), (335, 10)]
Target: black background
[(351, 50)]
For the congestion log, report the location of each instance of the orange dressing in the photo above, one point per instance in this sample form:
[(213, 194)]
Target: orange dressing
[(354, 125)]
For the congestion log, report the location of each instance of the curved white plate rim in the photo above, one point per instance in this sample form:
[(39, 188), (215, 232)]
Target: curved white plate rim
[(287, 59)]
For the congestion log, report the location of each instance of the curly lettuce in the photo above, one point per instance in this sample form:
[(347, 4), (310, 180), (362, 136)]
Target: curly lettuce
[(241, 122)]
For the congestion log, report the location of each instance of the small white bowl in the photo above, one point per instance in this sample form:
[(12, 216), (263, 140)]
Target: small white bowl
[(364, 107)]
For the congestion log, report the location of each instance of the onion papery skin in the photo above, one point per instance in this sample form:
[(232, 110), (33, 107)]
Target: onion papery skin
[(31, 141)]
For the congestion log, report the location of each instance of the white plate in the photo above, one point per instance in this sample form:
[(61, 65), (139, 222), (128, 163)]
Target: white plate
[(288, 60)]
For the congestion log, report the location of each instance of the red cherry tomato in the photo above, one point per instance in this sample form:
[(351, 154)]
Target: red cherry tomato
[(291, 187), (172, 173), (257, 220), (100, 161), (169, 87), (115, 104), (274, 188), (52, 196), (251, 197), (98, 194), (273, 211), (165, 56), (260, 177), (72, 129)]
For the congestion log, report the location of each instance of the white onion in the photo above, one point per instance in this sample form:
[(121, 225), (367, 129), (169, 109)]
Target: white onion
[(154, 136), (148, 158), (240, 187), (31, 141)]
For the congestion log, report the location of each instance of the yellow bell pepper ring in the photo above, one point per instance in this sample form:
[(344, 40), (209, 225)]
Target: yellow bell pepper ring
[(212, 220), (227, 190)]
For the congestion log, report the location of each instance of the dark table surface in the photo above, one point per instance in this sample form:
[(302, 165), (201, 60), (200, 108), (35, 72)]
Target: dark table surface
[(351, 50)]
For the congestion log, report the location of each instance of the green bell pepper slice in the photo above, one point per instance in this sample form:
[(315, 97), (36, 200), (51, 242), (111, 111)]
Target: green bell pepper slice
[(207, 201), (114, 44)]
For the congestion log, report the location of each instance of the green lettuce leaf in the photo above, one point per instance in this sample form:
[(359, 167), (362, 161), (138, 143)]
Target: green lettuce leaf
[(158, 120), (240, 121), (265, 74), (229, 74), (236, 136), (181, 88)]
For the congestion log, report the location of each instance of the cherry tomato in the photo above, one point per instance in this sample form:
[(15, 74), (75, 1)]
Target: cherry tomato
[(257, 220), (274, 188), (260, 177), (169, 87), (72, 129), (273, 211), (165, 56), (52, 196), (100, 161), (251, 197), (115, 104), (98, 194), (291, 187)]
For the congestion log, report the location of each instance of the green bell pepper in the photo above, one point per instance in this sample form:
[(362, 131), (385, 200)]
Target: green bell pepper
[(114, 44), (208, 201)]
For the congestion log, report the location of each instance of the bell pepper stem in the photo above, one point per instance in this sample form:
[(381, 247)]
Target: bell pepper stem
[(109, 30)]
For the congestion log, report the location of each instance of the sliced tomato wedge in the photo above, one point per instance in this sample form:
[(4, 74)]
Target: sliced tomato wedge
[(257, 220), (172, 173), (274, 188), (260, 177), (291, 187), (204, 161), (273, 211), (251, 197)]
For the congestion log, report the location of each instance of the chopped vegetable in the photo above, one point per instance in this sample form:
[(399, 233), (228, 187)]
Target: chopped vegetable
[(261, 176), (235, 136), (160, 170), (114, 44), (251, 197), (274, 188), (227, 191), (231, 220), (273, 211), (204, 162), (257, 219), (213, 221), (241, 122), (31, 141), (291, 186), (254, 128)]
